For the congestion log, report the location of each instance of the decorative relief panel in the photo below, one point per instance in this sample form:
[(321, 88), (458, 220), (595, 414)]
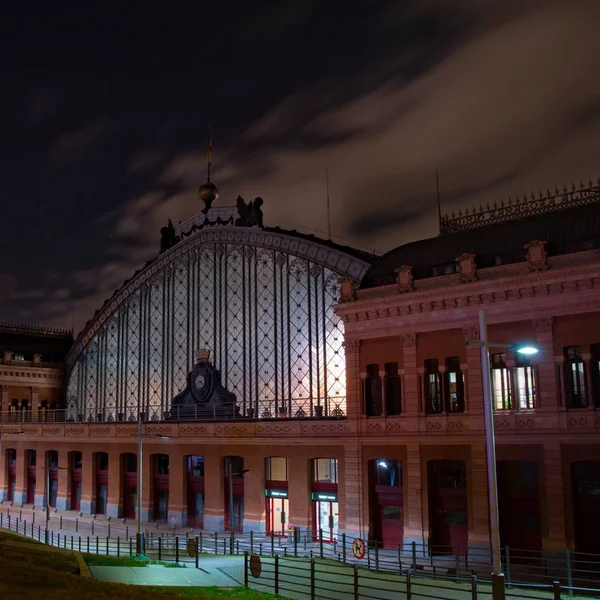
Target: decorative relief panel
[(74, 431), (127, 430), (226, 430), (525, 423), (99, 431), (193, 429), (375, 427), (274, 429), (435, 425), (580, 422), (51, 431), (324, 428)]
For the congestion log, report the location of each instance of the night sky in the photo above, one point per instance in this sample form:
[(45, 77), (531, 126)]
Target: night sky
[(105, 113)]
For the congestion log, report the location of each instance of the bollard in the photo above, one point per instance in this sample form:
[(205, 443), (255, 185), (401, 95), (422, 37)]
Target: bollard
[(355, 580), (252, 542), (118, 547), (473, 587), (60, 526), (457, 560), (52, 538), (176, 549), (88, 544), (76, 525), (109, 530), (71, 542), (20, 514), (260, 548), (376, 555), (216, 544), (321, 542), (79, 544), (569, 572), (237, 546), (408, 585), (97, 545), (92, 527), (556, 590), (344, 547), (58, 537), (107, 552), (160, 548), (272, 544), (197, 557), (245, 569), (276, 575), (200, 542), (130, 546), (224, 545), (312, 579)]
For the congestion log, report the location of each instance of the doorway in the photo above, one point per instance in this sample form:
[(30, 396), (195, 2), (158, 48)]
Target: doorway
[(325, 519), (277, 512), (129, 485)]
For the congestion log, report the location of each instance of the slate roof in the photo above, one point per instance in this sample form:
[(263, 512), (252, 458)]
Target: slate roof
[(565, 231)]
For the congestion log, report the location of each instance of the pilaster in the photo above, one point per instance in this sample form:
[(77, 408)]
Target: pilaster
[(254, 493), (35, 400), (114, 501), (177, 497), (474, 379), (555, 537), (354, 399), (87, 504), (41, 477), (214, 492), (411, 377), (548, 389), (354, 522), (21, 479), (5, 398), (63, 497), (299, 492), (413, 514)]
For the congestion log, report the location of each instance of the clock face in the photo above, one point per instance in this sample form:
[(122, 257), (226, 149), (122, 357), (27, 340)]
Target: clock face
[(200, 381)]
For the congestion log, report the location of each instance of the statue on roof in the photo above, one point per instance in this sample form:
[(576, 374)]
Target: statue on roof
[(250, 215), (167, 237)]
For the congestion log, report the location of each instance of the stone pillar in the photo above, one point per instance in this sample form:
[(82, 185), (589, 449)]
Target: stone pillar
[(413, 511), (479, 528), (213, 491), (548, 392), (474, 381), (299, 480), (35, 401), (5, 399), (352, 502), (254, 494), (114, 501), (412, 393), (555, 504), (88, 498), (177, 500), (21, 479), (63, 497), (354, 400)]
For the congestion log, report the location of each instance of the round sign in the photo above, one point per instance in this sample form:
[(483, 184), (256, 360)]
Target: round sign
[(255, 565), (192, 548), (358, 548)]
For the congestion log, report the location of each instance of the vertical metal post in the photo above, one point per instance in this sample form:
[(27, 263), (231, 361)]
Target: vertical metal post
[(556, 590), (276, 575), (216, 544), (230, 477), (197, 557), (344, 548), (321, 542), (490, 446), (177, 549), (408, 590), (139, 538), (376, 555), (355, 580), (272, 544), (473, 587), (569, 571), (118, 547), (200, 543), (160, 548), (312, 579), (245, 569), (252, 542)]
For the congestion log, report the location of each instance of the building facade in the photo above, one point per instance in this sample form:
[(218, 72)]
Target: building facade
[(358, 384)]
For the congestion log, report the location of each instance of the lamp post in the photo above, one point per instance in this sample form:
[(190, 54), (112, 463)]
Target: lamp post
[(231, 475), (490, 444), (140, 545)]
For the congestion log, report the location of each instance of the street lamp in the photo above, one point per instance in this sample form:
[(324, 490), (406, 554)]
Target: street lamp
[(231, 475), (490, 443), (139, 538)]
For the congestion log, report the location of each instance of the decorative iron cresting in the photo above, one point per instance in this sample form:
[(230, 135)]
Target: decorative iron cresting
[(527, 206)]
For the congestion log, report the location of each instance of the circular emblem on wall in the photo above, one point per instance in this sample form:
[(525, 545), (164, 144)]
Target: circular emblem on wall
[(255, 565), (200, 381), (358, 548)]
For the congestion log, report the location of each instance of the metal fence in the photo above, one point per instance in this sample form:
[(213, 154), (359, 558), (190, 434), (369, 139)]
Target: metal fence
[(572, 571)]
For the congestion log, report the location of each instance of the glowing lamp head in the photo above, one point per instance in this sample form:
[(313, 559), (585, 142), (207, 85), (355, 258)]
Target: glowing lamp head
[(527, 350), (382, 464)]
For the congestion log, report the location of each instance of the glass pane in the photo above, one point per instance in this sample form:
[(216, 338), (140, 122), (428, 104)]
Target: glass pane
[(391, 513), (102, 498), (53, 492), (325, 470), (276, 469), (198, 505)]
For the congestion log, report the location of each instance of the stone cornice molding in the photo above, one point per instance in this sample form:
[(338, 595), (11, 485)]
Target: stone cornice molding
[(473, 294), (340, 262)]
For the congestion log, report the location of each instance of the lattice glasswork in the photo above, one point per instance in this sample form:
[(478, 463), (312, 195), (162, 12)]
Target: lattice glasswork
[(265, 314)]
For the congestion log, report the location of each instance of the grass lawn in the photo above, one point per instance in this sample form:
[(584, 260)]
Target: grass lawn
[(34, 572)]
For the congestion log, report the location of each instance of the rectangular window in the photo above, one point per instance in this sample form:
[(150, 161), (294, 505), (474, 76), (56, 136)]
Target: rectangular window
[(575, 377), (433, 395), (455, 386), (524, 375), (373, 392), (325, 470), (393, 390), (595, 366), (501, 384)]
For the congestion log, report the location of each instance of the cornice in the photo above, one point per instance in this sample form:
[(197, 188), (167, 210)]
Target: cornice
[(547, 283)]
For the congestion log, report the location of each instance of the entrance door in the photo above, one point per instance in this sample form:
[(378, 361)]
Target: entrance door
[(76, 480), (392, 525), (519, 508), (101, 482), (129, 495), (448, 506), (12, 474), (325, 519), (277, 512), (31, 476), (586, 505)]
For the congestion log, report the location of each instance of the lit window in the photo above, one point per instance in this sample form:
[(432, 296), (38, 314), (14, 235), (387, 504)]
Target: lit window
[(455, 386), (501, 386), (433, 395), (574, 370), (525, 386)]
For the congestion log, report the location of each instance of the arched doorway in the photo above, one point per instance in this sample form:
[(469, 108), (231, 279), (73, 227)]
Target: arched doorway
[(129, 479), (161, 488), (76, 480), (52, 477), (11, 460), (31, 459), (101, 498)]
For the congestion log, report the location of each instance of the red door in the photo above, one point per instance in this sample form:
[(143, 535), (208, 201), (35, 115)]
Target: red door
[(195, 490), (12, 474), (387, 502), (76, 480), (129, 486), (238, 504), (519, 509), (53, 492), (31, 476), (101, 482), (448, 506)]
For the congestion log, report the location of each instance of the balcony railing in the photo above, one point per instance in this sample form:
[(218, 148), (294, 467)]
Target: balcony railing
[(268, 410)]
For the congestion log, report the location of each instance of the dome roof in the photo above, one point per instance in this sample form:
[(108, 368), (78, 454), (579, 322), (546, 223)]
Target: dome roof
[(500, 243)]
